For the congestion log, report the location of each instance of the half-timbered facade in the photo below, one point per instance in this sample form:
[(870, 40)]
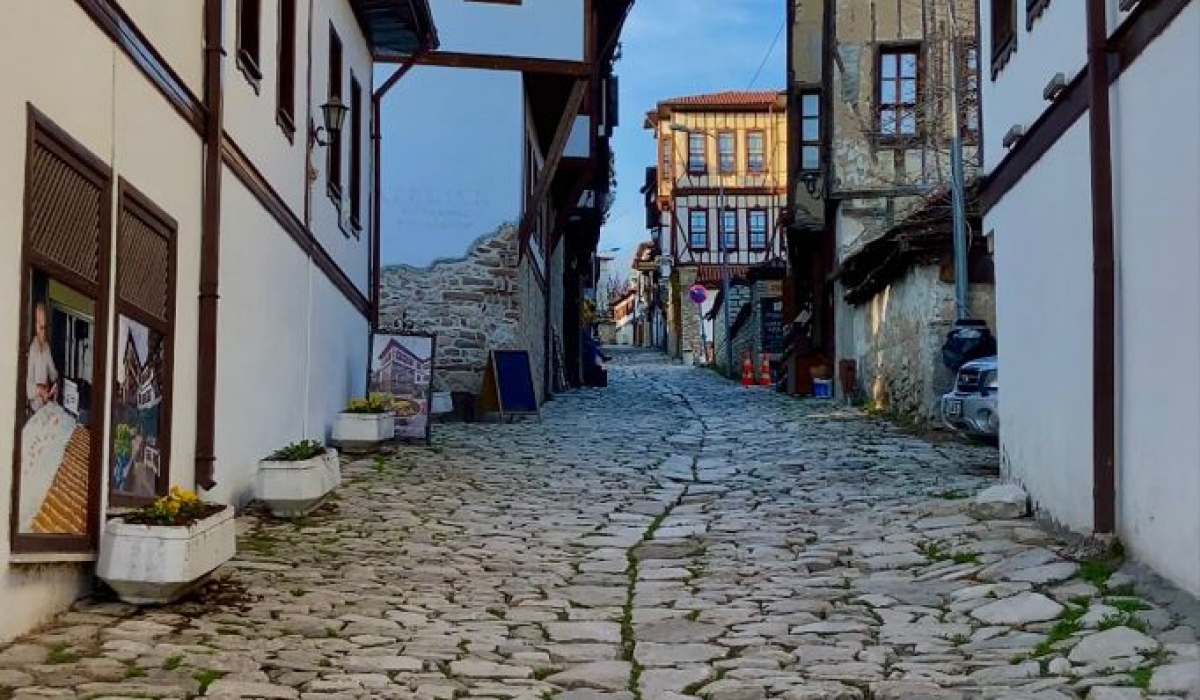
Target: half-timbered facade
[(721, 188)]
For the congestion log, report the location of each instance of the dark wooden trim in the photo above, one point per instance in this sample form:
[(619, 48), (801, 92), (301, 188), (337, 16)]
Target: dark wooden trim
[(113, 21), (239, 164), (130, 197), (1033, 10), (285, 100), (480, 61), (210, 247), (1002, 51), (554, 153), (1139, 30), (1104, 300), (730, 192), (40, 129), (249, 69)]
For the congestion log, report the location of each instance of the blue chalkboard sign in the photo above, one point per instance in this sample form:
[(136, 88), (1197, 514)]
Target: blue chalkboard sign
[(513, 377)]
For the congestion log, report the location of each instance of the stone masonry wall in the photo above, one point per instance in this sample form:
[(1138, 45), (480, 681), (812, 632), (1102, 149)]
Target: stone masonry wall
[(531, 323), (471, 303)]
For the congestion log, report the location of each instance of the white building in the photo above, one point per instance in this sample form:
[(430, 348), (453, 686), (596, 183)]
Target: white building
[(174, 211), (1101, 357)]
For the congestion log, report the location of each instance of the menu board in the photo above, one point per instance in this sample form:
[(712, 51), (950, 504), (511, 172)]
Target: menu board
[(771, 313)]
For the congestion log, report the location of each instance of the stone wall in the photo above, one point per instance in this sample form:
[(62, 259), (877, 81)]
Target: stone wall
[(531, 323), (897, 338), (689, 316), (471, 303), (740, 294)]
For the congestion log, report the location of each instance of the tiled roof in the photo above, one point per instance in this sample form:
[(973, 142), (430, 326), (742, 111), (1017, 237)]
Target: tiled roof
[(728, 98), (710, 274)]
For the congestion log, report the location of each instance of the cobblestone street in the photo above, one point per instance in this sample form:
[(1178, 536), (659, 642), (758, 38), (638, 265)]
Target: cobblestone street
[(672, 536)]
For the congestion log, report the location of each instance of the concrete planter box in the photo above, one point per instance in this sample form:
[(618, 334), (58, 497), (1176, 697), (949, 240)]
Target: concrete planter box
[(158, 564), (293, 489), (362, 432)]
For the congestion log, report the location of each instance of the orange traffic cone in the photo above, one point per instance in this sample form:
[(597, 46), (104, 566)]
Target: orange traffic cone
[(747, 371), (764, 373)]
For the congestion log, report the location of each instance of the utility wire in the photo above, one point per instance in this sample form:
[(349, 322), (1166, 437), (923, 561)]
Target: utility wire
[(770, 50)]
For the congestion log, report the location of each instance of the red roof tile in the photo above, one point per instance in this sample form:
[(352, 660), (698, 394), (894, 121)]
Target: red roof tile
[(728, 98)]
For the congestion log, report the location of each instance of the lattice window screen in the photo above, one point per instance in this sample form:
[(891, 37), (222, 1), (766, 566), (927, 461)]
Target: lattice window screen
[(64, 213)]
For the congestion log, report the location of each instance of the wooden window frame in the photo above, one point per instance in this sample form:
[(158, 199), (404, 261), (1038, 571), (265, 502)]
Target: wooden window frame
[(667, 159), (697, 167), (809, 143), (750, 153), (249, 41), (139, 205), (285, 93), (42, 132), (732, 138), (1002, 44), (898, 139), (333, 149), (750, 213), (724, 231), (1033, 11), (357, 117), (692, 211)]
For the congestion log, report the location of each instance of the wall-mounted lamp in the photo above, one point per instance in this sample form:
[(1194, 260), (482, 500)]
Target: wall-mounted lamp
[(333, 113), (1014, 134), (1055, 87), (813, 184)]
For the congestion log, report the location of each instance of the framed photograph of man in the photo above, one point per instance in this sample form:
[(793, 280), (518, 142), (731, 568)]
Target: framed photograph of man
[(58, 426), (402, 366)]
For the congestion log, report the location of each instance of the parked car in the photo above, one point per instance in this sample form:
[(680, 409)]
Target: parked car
[(973, 406)]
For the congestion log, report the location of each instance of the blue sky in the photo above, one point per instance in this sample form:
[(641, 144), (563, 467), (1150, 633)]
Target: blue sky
[(672, 48)]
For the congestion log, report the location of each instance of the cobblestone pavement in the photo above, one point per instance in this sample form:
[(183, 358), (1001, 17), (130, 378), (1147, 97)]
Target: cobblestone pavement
[(673, 536)]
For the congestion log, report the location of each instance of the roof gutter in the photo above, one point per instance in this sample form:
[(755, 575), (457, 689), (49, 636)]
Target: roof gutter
[(1103, 280)]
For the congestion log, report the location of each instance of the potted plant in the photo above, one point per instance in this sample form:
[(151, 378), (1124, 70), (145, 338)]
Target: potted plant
[(158, 553), (295, 479), (365, 423)]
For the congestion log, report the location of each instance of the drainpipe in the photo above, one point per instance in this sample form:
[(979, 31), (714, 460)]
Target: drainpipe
[(426, 46), (210, 248), (1103, 280)]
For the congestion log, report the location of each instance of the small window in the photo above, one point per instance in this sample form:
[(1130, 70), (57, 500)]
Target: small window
[(729, 229), (357, 115), (286, 114), (898, 89), (810, 130), (698, 228), (248, 40), (667, 167), (758, 229), (696, 155), (968, 72), (725, 154), (334, 149), (1004, 33), (755, 152)]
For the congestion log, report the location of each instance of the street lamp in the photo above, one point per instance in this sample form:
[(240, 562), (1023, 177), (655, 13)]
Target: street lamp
[(721, 247)]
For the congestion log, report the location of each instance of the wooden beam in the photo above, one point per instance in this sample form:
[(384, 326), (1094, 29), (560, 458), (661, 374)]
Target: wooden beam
[(481, 61), (553, 156)]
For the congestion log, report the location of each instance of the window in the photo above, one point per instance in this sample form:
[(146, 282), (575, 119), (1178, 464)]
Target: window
[(696, 153), (357, 115), (698, 228), (286, 95), (725, 155), (968, 75), (898, 88), (247, 40), (810, 130), (755, 150), (729, 229), (334, 149), (758, 229), (667, 166), (1004, 33)]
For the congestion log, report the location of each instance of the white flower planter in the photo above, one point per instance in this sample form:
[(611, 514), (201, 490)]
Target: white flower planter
[(158, 564), (362, 432), (293, 489)]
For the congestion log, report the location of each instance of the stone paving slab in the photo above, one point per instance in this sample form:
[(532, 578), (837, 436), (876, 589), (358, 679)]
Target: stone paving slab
[(671, 537)]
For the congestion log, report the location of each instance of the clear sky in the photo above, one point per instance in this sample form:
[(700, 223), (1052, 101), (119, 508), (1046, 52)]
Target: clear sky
[(672, 48)]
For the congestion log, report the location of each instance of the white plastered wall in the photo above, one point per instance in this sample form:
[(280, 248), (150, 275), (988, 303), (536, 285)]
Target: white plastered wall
[(1156, 158), (93, 92), (1043, 259)]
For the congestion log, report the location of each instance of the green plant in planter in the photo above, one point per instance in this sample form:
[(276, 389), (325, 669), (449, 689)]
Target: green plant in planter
[(298, 451), (375, 402)]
